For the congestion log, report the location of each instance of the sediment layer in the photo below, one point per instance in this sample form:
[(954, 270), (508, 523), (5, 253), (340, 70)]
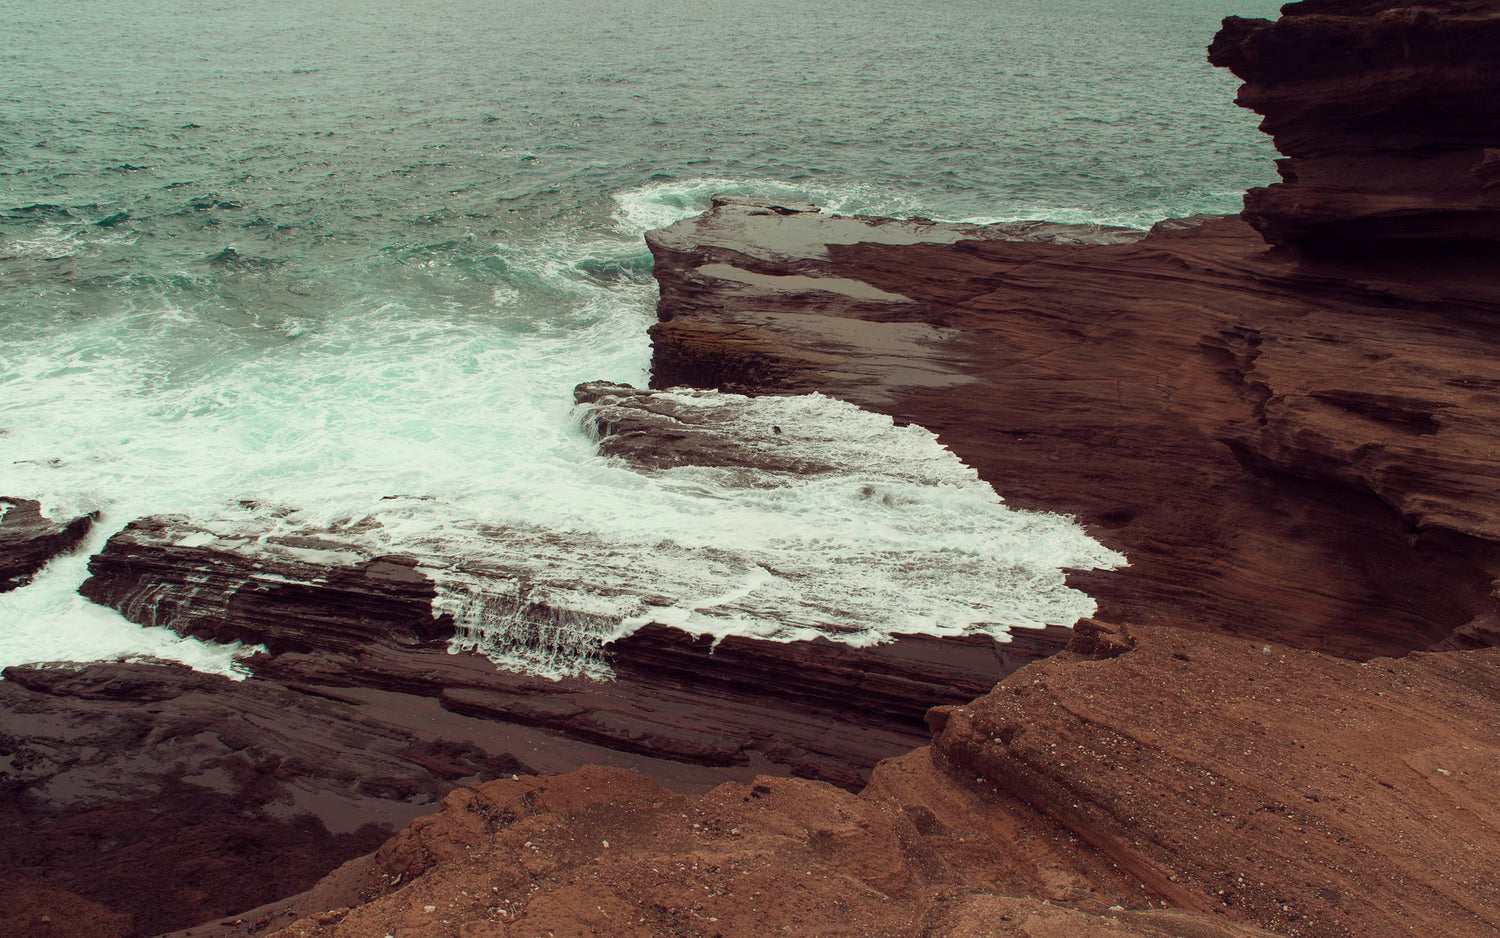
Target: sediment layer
[(1387, 114), (1245, 790), (1283, 720)]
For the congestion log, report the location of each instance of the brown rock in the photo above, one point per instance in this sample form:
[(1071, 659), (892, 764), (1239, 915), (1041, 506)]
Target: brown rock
[(1207, 408), (28, 539), (1289, 786), (1387, 113), (1194, 785)]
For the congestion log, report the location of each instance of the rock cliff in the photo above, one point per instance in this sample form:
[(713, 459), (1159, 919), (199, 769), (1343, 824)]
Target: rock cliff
[(1386, 114), (1281, 721)]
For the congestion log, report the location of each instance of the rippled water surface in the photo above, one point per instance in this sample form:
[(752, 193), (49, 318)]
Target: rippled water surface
[(349, 263)]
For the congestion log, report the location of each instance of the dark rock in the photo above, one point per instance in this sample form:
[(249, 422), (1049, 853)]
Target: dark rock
[(168, 796), (1281, 447), (28, 540), (817, 708), (1389, 116), (286, 604)]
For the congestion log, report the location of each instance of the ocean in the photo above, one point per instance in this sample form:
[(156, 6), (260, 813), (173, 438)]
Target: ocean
[(287, 267)]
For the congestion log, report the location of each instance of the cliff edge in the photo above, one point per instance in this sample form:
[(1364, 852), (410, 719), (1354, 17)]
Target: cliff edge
[(1386, 114), (1281, 721)]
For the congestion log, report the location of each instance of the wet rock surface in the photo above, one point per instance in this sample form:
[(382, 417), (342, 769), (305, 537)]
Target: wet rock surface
[(817, 708), (1282, 721), (28, 539), (164, 797), (358, 718), (1282, 447)]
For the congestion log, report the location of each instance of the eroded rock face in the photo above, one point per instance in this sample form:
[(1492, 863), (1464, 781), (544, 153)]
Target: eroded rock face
[(1242, 787), (140, 798), (28, 539), (1289, 787), (1288, 448), (1388, 114)]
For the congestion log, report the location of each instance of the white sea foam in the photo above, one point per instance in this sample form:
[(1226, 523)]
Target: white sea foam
[(47, 621), (450, 436), (56, 243), (659, 204)]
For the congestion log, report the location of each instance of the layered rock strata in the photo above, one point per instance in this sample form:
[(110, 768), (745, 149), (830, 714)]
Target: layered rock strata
[(816, 708), (1282, 447), (1386, 112), (1295, 448), (1245, 790), (356, 651), (28, 539)]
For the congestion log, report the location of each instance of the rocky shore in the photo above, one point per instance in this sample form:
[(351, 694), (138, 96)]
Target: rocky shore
[(1284, 718)]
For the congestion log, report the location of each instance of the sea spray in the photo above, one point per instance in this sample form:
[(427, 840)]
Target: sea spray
[(449, 436)]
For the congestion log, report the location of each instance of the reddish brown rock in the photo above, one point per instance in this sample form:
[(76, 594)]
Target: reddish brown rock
[(604, 853), (1239, 787), (1281, 447), (28, 539), (1389, 115), (818, 709), (1309, 794)]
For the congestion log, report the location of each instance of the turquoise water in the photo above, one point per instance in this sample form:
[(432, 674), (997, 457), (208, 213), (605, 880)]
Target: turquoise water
[(349, 262)]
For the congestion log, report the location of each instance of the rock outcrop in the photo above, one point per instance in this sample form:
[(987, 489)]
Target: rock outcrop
[(1245, 790), (818, 709), (1387, 114), (1282, 447), (1282, 721), (147, 797), (28, 539)]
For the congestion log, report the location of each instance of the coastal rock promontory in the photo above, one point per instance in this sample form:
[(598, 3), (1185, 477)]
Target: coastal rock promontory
[(1388, 114), (1246, 790), (1281, 721)]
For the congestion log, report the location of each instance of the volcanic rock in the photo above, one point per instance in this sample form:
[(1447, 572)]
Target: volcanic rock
[(1282, 447), (1389, 115), (602, 852), (28, 539)]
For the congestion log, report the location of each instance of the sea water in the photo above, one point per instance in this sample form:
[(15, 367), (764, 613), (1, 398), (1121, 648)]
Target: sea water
[(298, 266)]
